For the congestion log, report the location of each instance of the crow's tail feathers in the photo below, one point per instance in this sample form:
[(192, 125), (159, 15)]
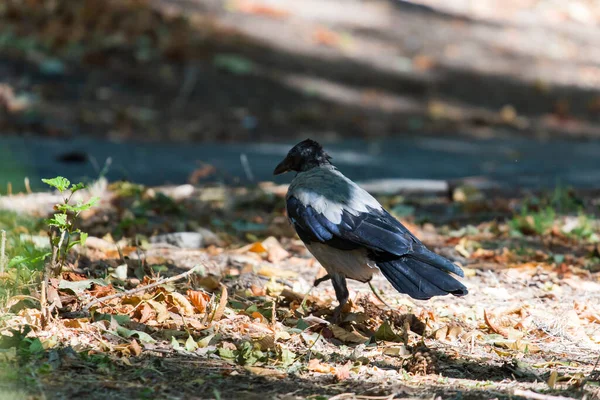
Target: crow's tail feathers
[(423, 274)]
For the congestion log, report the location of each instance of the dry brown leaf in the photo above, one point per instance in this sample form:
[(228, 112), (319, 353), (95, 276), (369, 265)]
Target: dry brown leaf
[(343, 372), (257, 248), (266, 342), (271, 272), (75, 323), (209, 282), (347, 336), (222, 304), (441, 333), (135, 348), (423, 63), (101, 291), (275, 252), (180, 304), (198, 299), (162, 313), (273, 373), (257, 290), (493, 327), (72, 276), (261, 318), (144, 312), (326, 37), (315, 365)]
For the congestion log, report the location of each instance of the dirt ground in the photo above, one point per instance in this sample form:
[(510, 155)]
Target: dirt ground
[(529, 326)]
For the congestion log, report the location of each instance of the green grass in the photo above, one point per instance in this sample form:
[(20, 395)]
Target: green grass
[(24, 260)]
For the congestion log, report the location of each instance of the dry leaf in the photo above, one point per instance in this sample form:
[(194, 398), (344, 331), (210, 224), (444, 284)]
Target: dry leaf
[(276, 252), (222, 304), (162, 314), (180, 304), (198, 299), (315, 365), (343, 372), (135, 348), (257, 248), (493, 327), (423, 63), (326, 37), (552, 379), (144, 312), (347, 336), (270, 272), (266, 372), (209, 282)]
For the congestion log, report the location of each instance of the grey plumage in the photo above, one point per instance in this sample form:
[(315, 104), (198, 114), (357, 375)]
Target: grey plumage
[(353, 236)]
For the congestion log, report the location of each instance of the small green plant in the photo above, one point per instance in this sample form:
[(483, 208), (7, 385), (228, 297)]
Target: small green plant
[(63, 230), (585, 229), (65, 219), (533, 222)]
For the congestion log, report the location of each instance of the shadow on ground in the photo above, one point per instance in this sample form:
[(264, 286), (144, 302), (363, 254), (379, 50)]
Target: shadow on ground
[(224, 83)]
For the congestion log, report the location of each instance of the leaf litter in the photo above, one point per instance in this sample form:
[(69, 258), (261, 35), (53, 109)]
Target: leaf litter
[(530, 322)]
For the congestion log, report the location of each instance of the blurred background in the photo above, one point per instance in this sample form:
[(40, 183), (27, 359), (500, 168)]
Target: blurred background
[(188, 91)]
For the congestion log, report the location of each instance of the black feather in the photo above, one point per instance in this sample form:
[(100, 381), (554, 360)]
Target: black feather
[(419, 279), (375, 230)]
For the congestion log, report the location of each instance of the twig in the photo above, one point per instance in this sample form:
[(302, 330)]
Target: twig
[(377, 295), (2, 251), (141, 288), (538, 396)]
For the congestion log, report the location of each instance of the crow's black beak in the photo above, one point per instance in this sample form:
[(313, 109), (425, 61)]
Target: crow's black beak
[(283, 166)]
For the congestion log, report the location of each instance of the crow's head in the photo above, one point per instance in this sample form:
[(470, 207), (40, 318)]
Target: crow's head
[(302, 157)]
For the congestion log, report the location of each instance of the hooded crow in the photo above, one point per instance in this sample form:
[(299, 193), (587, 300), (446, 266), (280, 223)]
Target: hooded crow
[(353, 236)]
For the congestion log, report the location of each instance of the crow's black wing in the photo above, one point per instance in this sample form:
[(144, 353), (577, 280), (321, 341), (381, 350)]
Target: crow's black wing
[(375, 230)]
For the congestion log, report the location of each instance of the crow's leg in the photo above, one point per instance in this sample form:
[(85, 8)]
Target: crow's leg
[(321, 280), (342, 294)]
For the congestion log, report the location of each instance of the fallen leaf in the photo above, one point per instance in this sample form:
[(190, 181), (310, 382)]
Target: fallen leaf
[(180, 304), (326, 37), (273, 373), (270, 272), (423, 63), (162, 314), (257, 248), (135, 348), (275, 252), (198, 299), (493, 327), (80, 286), (190, 344), (315, 365), (144, 312), (386, 333), (222, 304), (209, 282), (347, 336), (343, 372), (552, 379)]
